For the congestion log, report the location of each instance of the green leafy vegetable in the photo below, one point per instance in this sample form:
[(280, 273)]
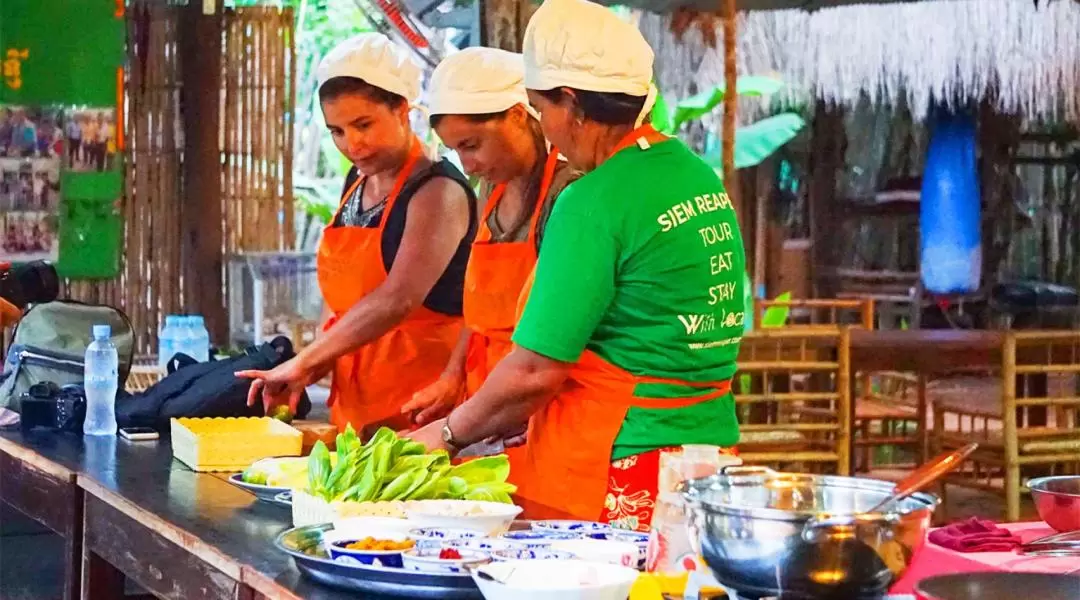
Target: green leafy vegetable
[(318, 468)]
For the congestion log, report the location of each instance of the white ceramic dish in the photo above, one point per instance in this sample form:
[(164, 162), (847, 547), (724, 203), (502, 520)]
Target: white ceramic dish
[(363, 525), (641, 540), (437, 537), (624, 554), (482, 544), (489, 518), (428, 561), (554, 580), (531, 554), (576, 527), (536, 538)]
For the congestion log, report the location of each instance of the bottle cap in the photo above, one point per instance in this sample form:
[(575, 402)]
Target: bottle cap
[(102, 332)]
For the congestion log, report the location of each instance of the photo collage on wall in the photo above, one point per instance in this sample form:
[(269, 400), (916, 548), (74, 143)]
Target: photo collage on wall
[(36, 143)]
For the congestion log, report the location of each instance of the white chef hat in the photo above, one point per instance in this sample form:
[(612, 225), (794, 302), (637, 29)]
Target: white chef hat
[(478, 81), (586, 46), (377, 60)]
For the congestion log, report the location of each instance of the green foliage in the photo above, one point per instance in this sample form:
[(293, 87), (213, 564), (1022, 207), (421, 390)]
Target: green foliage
[(753, 143)]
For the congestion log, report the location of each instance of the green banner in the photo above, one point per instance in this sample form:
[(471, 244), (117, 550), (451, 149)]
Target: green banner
[(61, 126), (60, 51)]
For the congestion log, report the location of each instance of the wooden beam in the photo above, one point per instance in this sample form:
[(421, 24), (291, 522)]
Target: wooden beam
[(200, 56), (731, 102), (502, 22)]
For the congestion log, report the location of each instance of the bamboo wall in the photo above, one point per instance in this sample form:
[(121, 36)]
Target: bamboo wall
[(256, 138), (259, 71)]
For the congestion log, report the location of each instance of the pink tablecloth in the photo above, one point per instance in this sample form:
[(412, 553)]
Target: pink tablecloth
[(934, 560)]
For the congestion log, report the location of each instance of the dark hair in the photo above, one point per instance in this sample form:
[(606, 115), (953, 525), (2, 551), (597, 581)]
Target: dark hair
[(609, 108), (335, 87), (535, 132)]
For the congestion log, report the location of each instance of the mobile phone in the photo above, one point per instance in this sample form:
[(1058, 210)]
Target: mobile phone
[(138, 434)]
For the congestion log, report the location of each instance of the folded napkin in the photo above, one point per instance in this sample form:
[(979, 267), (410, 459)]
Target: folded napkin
[(975, 535)]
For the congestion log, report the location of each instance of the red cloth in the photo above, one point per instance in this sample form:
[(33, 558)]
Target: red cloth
[(975, 535), (632, 488)]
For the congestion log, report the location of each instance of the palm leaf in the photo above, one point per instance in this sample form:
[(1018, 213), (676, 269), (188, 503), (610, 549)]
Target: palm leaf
[(660, 115), (701, 104), (754, 143)]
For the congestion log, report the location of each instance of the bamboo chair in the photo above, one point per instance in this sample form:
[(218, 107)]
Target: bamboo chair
[(890, 407), (1028, 429), (790, 426), (144, 373)]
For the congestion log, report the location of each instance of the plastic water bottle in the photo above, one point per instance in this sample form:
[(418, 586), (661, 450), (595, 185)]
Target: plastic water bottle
[(167, 341), (200, 339), (100, 380), (183, 338)]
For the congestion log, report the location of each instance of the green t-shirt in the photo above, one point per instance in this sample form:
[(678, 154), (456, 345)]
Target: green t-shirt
[(643, 263)]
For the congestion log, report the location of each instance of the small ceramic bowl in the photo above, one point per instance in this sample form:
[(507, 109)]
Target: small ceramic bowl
[(536, 538), (385, 558), (436, 537), (576, 527), (427, 560), (530, 554), (481, 544), (641, 540)]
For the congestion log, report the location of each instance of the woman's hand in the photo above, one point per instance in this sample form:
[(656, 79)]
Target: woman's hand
[(284, 384), (436, 400), (430, 436)]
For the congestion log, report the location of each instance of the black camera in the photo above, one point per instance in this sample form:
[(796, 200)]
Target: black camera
[(30, 283), (51, 406)]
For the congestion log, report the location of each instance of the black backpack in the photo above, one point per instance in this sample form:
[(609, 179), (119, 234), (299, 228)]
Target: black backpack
[(207, 389)]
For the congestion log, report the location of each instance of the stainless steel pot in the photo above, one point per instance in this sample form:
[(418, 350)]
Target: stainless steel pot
[(803, 537)]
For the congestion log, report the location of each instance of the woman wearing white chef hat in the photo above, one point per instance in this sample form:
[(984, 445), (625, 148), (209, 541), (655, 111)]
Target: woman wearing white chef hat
[(392, 262), (479, 108), (628, 340)]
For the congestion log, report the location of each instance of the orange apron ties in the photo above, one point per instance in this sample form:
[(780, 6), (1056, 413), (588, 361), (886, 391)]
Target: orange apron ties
[(494, 278), (564, 471), (371, 384)]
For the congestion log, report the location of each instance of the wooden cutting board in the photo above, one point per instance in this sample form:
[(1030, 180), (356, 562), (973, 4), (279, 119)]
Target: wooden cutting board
[(314, 431)]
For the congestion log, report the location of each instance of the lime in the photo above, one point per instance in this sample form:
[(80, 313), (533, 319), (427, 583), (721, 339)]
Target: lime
[(253, 476), (282, 413)]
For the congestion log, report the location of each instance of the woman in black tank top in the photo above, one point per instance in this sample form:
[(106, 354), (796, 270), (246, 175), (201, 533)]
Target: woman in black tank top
[(392, 262)]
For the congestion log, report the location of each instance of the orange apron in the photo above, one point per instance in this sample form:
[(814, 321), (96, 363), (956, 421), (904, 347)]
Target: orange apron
[(494, 279), (564, 471), (371, 384)]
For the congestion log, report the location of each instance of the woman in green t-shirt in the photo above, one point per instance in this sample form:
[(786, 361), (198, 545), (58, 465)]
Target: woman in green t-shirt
[(627, 343)]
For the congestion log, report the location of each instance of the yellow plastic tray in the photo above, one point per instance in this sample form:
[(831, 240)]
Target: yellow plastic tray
[(233, 443)]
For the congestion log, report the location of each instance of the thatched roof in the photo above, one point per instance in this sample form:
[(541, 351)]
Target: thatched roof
[(666, 6), (1026, 59)]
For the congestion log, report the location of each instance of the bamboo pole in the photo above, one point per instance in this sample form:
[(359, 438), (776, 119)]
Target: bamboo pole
[(731, 98)]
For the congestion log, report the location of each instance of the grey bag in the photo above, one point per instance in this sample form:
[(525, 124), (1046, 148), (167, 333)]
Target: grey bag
[(50, 342)]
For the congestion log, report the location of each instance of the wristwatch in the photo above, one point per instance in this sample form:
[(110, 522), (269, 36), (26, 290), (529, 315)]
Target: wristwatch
[(448, 436)]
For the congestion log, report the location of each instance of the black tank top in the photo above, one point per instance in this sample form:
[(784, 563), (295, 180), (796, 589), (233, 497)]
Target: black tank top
[(445, 296)]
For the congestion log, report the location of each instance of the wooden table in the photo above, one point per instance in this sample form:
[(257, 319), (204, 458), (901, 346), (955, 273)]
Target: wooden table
[(925, 351), (129, 511), (45, 491)]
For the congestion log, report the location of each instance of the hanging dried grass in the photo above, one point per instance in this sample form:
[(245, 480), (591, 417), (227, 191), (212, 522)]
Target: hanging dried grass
[(949, 51)]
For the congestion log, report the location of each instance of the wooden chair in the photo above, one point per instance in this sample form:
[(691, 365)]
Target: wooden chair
[(1026, 423), (826, 313), (144, 373), (793, 401)]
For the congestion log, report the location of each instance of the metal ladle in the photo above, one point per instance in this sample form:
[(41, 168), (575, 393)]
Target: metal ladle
[(925, 475)]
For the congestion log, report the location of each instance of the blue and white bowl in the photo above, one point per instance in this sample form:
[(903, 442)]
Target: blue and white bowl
[(481, 544), (536, 538), (576, 527), (436, 537), (641, 540), (531, 554), (427, 560), (384, 558)]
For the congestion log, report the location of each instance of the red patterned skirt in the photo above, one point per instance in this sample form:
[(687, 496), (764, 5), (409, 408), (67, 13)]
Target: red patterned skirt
[(632, 489)]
